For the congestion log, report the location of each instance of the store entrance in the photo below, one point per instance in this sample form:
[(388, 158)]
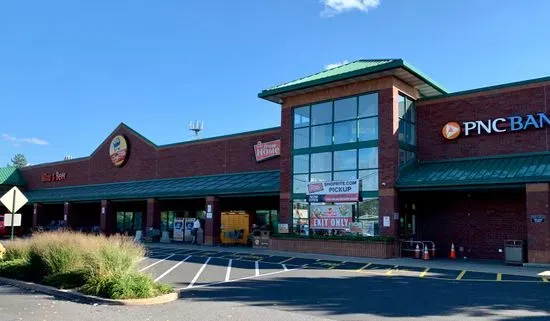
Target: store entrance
[(129, 222), (407, 222)]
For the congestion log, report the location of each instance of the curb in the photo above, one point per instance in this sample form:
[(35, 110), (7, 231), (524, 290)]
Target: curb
[(83, 298), (537, 265)]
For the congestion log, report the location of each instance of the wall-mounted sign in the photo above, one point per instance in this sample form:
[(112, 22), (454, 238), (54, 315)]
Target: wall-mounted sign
[(386, 221), (267, 150), (452, 130), (537, 218), (334, 191), (334, 217), (53, 177), (283, 228), (118, 150)]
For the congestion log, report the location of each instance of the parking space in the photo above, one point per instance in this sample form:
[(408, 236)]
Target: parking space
[(192, 268)]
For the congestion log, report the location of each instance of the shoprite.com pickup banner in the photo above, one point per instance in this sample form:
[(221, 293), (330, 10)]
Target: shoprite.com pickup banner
[(334, 191), (333, 217)]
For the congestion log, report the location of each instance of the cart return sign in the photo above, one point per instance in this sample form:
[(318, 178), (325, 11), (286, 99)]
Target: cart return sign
[(334, 191)]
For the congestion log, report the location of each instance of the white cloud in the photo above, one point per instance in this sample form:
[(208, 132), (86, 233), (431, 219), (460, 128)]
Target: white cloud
[(334, 7), (334, 65), (31, 140)]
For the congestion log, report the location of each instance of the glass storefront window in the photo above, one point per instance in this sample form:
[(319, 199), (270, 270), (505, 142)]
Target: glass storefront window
[(321, 162), (167, 221), (369, 179), (300, 164), (321, 135), (345, 109), (343, 176), (369, 211), (321, 177), (321, 113), (300, 216), (299, 183), (301, 116), (345, 160), (368, 129), (407, 120), (345, 132), (301, 138), (368, 105), (368, 157), (129, 221)]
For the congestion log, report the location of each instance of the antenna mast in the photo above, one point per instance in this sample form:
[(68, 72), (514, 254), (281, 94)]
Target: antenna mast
[(196, 127)]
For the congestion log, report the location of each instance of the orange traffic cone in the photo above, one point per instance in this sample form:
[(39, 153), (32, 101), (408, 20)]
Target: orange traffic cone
[(452, 256), (433, 250), (417, 252), (426, 253)]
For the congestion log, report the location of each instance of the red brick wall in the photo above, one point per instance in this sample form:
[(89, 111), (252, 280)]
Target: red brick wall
[(538, 197), (432, 115), (146, 161), (477, 221)]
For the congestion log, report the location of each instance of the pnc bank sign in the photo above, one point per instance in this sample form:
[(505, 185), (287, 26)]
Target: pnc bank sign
[(452, 130)]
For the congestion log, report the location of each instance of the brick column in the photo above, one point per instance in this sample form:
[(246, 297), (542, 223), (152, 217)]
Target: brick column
[(212, 222), (67, 213), (285, 211), (107, 219), (153, 215), (388, 162), (538, 234), (37, 208)]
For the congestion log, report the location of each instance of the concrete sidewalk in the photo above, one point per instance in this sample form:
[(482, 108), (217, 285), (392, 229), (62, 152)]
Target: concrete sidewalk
[(458, 265)]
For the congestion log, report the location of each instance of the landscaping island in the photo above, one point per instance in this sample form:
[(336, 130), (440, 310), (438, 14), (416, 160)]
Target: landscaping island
[(91, 264)]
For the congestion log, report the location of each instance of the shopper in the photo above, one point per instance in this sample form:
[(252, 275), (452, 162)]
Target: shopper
[(196, 227)]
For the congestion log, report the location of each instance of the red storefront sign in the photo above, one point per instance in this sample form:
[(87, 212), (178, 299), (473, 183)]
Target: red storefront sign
[(267, 150), (53, 177)]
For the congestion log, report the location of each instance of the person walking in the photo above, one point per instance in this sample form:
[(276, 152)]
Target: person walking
[(196, 227)]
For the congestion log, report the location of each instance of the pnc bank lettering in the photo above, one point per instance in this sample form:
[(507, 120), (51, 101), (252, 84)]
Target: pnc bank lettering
[(502, 124)]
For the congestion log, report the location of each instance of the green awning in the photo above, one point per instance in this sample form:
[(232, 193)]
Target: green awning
[(11, 176), (510, 170), (216, 185)]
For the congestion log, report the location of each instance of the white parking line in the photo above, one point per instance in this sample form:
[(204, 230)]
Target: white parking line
[(198, 273), (234, 280), (284, 267), (157, 262), (228, 273), (172, 268), (257, 265)]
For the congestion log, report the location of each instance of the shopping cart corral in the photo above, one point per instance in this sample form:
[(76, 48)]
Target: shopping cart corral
[(408, 247)]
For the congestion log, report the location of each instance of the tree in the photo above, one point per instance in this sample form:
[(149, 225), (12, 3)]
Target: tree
[(19, 160)]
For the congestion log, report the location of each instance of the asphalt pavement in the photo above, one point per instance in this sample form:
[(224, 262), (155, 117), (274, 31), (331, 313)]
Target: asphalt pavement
[(225, 285)]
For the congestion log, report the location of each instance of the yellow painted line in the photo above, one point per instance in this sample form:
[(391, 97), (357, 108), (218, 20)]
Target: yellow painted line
[(423, 273), (459, 277), (499, 276), (284, 261), (544, 280), (390, 271), (364, 267)]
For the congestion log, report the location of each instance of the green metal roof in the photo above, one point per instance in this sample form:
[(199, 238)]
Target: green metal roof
[(511, 169), (11, 176), (350, 70), (216, 185)]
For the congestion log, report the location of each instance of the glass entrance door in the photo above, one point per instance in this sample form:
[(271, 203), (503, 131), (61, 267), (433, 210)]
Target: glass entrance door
[(129, 222)]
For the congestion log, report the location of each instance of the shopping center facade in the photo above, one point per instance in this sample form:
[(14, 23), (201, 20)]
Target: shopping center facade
[(470, 168)]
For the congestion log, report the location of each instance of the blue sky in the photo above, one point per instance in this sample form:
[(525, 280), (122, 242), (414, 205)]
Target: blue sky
[(71, 71)]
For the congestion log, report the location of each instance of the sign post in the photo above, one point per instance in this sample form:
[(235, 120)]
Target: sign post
[(13, 200)]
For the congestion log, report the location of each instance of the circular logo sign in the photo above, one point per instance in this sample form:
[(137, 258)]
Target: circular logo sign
[(451, 130), (118, 150)]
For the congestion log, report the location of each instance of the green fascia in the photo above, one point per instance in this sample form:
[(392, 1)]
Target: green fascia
[(396, 63), (459, 188), (466, 159), (488, 88)]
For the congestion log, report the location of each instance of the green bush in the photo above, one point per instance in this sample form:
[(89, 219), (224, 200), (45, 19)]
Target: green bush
[(16, 269), (350, 237), (125, 286), (98, 265)]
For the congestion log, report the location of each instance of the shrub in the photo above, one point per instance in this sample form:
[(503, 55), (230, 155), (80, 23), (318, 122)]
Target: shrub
[(125, 286), (99, 265), (16, 269)]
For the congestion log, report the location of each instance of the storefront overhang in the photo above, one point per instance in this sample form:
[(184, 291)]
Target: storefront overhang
[(364, 69), (11, 176), (252, 183), (485, 172)]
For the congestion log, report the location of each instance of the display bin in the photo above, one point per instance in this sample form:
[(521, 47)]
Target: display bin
[(513, 252)]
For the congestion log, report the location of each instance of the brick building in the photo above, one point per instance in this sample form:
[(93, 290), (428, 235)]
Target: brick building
[(469, 167)]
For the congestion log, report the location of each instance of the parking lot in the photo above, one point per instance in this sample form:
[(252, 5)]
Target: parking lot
[(187, 268)]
